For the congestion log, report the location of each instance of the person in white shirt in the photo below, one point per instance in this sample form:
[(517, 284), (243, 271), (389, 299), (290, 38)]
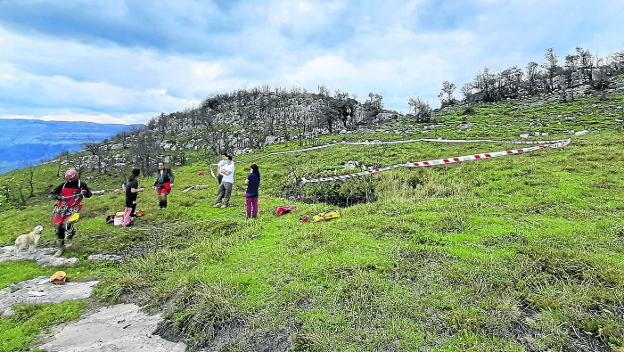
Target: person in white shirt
[(221, 164), (225, 187)]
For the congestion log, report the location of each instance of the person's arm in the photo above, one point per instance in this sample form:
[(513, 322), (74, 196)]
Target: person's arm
[(171, 178), (227, 170), (84, 189), (134, 188), (56, 192)]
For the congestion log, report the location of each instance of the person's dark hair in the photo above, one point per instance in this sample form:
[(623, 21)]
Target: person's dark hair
[(255, 169), (136, 172), (229, 156)]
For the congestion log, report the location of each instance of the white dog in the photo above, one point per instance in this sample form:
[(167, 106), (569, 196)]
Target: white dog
[(30, 240)]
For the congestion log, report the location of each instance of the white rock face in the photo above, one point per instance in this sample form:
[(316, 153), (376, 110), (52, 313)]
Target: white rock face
[(105, 257), (580, 133), (43, 256), (118, 328), (41, 290)]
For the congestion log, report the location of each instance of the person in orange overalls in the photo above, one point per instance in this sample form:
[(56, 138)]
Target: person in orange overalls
[(69, 195)]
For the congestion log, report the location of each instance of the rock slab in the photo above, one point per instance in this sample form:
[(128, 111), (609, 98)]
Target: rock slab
[(118, 328), (41, 290), (43, 256)]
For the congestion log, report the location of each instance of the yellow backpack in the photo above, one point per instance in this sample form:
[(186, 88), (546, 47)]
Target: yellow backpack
[(328, 215)]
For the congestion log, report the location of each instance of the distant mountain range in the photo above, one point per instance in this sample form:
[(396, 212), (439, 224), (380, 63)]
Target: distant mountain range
[(24, 142)]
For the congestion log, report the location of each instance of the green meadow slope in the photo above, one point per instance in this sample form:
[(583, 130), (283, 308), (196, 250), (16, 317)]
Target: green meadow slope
[(519, 253)]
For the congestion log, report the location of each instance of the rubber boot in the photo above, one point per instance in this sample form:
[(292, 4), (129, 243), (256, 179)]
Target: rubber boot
[(61, 249), (70, 233)]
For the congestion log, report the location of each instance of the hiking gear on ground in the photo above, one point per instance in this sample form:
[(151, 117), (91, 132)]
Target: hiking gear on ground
[(304, 218), (59, 277), (284, 209), (139, 213), (119, 218), (328, 215)]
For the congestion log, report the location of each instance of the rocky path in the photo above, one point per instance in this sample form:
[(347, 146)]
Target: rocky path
[(43, 256), (41, 290), (116, 328), (121, 327)]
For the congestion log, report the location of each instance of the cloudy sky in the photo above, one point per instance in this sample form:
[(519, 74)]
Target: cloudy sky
[(126, 61)]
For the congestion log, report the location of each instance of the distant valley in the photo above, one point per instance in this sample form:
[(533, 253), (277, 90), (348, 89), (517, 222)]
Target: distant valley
[(25, 142)]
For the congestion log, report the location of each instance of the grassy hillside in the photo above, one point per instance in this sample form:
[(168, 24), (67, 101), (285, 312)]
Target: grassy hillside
[(520, 253)]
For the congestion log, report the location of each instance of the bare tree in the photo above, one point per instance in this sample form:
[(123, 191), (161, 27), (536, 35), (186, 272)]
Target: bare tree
[(552, 68), (30, 173), (585, 63), (60, 159), (532, 77), (420, 109), (323, 91), (97, 150), (446, 95)]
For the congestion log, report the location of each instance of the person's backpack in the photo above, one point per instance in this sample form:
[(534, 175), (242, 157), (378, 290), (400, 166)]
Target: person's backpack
[(328, 215), (284, 209)]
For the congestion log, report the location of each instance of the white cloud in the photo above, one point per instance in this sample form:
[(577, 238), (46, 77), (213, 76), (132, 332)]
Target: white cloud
[(400, 49)]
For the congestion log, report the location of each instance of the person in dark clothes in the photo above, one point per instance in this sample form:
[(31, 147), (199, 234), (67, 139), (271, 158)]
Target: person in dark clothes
[(69, 194), (163, 184), (251, 196), (132, 192)]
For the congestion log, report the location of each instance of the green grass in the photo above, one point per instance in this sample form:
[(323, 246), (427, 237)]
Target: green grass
[(19, 331), (17, 271), (515, 253)]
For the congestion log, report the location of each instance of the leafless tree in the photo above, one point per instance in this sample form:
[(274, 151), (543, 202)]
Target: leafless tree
[(446, 95), (30, 174), (97, 150), (551, 66), (420, 109)]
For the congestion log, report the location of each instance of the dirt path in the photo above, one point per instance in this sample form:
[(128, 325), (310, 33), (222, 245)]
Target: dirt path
[(118, 328)]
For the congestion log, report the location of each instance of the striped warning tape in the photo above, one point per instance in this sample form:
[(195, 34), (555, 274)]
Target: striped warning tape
[(403, 141), (453, 160), (538, 144)]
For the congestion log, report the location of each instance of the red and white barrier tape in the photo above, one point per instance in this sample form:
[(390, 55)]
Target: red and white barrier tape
[(378, 142), (453, 160)]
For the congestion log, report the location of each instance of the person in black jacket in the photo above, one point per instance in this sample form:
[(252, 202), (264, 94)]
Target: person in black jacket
[(69, 195), (163, 184), (251, 196), (132, 189)]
